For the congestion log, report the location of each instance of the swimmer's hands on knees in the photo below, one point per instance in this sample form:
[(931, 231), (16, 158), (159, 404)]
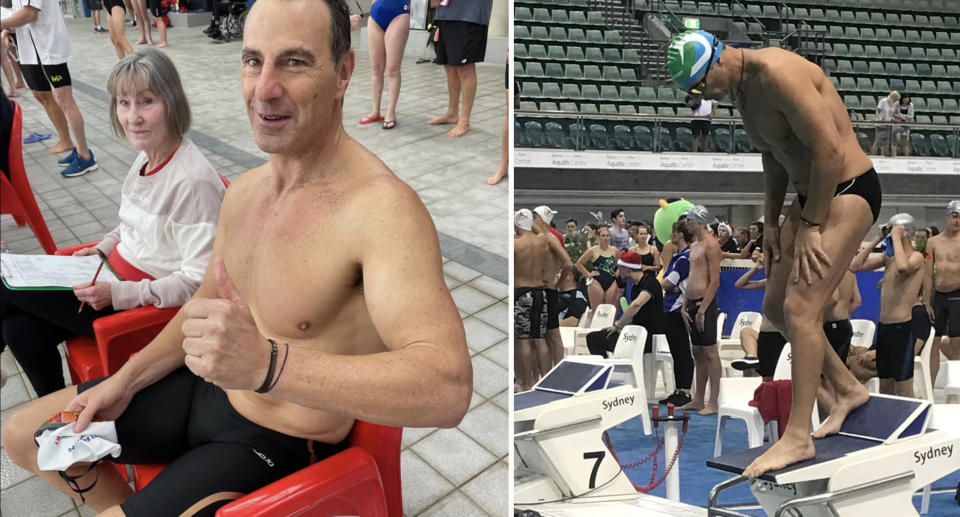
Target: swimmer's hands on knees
[(809, 258), (109, 400), (98, 295), (221, 338)]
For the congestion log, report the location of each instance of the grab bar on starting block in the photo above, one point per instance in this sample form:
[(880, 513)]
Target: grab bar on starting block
[(715, 493), (843, 493), (529, 435)]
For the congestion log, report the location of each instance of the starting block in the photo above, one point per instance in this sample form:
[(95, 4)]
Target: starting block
[(881, 457)]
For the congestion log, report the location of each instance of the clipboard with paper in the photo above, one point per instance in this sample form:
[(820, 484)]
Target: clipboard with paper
[(51, 272)]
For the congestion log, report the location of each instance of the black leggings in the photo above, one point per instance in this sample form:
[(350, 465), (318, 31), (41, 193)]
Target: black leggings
[(33, 323), (679, 341)]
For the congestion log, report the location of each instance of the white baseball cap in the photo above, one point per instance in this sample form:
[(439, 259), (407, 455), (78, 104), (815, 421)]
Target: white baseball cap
[(545, 213), (523, 219)]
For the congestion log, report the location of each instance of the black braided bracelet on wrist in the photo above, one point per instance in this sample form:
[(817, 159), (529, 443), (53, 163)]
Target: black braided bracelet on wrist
[(286, 352), (273, 364), (809, 222)]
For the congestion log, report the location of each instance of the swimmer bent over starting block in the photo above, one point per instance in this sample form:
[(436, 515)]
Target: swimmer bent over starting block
[(795, 117)]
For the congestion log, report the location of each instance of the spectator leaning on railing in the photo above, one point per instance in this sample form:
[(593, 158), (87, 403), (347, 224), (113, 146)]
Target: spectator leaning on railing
[(901, 132), (885, 111)]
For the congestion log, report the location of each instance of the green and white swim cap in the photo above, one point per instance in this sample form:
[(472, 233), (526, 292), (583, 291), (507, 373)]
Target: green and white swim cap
[(690, 55)]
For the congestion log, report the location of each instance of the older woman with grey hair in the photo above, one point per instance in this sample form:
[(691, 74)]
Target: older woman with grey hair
[(169, 207)]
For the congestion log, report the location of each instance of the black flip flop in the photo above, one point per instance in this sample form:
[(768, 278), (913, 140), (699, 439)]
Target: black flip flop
[(389, 124)]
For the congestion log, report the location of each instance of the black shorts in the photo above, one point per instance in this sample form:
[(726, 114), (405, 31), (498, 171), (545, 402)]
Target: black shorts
[(460, 43), (769, 346), (572, 304), (529, 313), (43, 78), (94, 5), (895, 351), (920, 322), (110, 4), (709, 335), (553, 308), (156, 8), (211, 449), (700, 127), (839, 334), (946, 313), (866, 185)]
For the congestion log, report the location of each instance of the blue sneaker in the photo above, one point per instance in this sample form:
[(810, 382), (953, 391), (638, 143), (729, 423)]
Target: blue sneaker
[(67, 160), (79, 166)]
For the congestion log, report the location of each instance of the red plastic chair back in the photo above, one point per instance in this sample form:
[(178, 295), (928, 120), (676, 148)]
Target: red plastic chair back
[(17, 196)]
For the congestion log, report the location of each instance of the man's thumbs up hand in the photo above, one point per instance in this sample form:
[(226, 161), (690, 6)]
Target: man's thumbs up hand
[(221, 339)]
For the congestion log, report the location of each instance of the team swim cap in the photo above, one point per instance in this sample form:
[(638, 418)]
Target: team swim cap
[(953, 207), (689, 56)]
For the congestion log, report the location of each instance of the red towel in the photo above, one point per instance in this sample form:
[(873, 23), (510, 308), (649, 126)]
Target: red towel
[(773, 399)]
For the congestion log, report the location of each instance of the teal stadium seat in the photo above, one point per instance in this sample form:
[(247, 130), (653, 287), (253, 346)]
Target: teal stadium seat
[(939, 71), (816, 15), (594, 55), (906, 20), (575, 54), (611, 55), (721, 139), (928, 87), (666, 110), (556, 53), (945, 88), (541, 15), (548, 106), (578, 18), (643, 138), (596, 18), (530, 90), (881, 85), (646, 109), (609, 109), (551, 90), (540, 33), (840, 49), (589, 107), (537, 52), (592, 73), (742, 141), (898, 35), (847, 83), (892, 19), (609, 93), (666, 94), (519, 50), (569, 106), (629, 94), (887, 52), (570, 91), (611, 74), (528, 106), (612, 38), (845, 67), (622, 137), (522, 14), (943, 37), (919, 144), (554, 133), (576, 36), (553, 70), (559, 16), (908, 70), (927, 36), (572, 72), (921, 20), (631, 56), (683, 140), (933, 54), (912, 36), (876, 68), (919, 103), (577, 134), (876, 18), (598, 137), (594, 36), (664, 142), (950, 106), (590, 92), (867, 34), (627, 109), (534, 69), (923, 69), (832, 16), (521, 32), (648, 94), (558, 34), (629, 74), (940, 119), (534, 134)]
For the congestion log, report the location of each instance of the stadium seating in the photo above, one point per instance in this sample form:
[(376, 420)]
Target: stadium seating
[(592, 59)]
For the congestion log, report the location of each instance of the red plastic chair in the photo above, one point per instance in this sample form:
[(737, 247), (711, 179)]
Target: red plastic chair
[(16, 196), (363, 480), (117, 337)]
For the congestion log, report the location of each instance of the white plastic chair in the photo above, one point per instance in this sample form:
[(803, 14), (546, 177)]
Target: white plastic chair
[(863, 332), (950, 371), (734, 398), (657, 361), (945, 417), (744, 320), (922, 382), (601, 318)]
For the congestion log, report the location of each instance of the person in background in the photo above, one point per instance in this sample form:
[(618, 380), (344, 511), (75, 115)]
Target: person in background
[(460, 42), (703, 112), (886, 108), (901, 132), (387, 29), (169, 210)]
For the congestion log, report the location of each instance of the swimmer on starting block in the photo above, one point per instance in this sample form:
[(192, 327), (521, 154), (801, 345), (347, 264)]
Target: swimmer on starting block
[(299, 326), (796, 118)]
